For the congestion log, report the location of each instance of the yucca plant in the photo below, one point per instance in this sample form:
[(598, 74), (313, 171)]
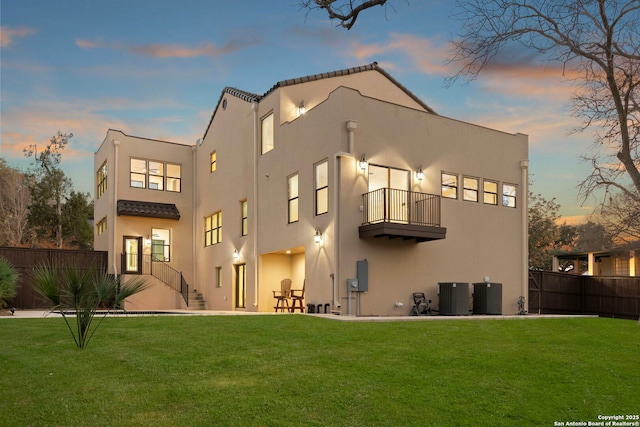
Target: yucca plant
[(80, 293), (8, 282)]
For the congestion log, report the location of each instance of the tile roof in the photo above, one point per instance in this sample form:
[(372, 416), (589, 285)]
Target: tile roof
[(346, 72), (148, 209)]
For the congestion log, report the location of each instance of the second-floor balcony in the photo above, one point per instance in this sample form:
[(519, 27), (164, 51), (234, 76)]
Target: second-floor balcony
[(408, 215)]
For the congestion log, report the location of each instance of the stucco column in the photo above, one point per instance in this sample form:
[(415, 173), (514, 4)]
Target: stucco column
[(115, 181), (524, 166)]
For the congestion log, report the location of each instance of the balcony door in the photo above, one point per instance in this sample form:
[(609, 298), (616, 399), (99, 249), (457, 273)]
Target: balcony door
[(392, 204)]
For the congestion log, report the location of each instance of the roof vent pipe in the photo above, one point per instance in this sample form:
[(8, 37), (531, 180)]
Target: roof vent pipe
[(351, 128)]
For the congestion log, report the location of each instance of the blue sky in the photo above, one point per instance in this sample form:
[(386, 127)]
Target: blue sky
[(155, 68)]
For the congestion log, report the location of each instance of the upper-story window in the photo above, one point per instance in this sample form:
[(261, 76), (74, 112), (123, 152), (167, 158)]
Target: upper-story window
[(244, 213), (449, 186), (267, 133), (322, 187), (155, 175), (509, 193), (214, 161), (174, 179), (213, 229), (490, 192), (471, 187), (292, 197), (101, 180)]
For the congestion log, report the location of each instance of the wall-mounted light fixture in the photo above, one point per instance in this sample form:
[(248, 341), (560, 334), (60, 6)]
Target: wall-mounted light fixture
[(147, 241), (362, 163), (420, 173), (301, 108), (318, 236), (236, 254)]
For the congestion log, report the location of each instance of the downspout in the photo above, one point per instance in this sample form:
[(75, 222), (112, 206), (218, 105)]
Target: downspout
[(256, 260), (194, 192), (115, 181), (524, 166)]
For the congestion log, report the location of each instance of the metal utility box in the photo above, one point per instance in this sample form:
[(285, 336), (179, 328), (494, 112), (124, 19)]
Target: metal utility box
[(487, 298), (352, 285), (362, 268), (454, 299)]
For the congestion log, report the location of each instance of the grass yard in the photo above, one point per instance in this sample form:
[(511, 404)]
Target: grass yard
[(294, 370)]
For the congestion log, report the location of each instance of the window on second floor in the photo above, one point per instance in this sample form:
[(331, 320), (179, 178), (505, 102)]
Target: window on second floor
[(490, 192), (214, 161), (155, 175), (322, 187), (292, 197), (244, 213), (101, 180), (471, 187), (266, 133), (509, 193), (449, 186), (213, 229)]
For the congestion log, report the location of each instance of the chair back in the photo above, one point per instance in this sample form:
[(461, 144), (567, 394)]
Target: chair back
[(285, 287)]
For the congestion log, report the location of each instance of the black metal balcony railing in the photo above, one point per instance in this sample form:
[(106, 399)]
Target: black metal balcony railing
[(400, 207), (149, 264)]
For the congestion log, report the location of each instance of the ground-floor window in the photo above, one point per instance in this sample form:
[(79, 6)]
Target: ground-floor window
[(160, 244)]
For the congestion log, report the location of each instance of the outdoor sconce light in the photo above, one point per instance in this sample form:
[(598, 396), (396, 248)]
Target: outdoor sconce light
[(236, 255), (318, 236), (147, 241), (301, 108), (362, 163), (420, 173)]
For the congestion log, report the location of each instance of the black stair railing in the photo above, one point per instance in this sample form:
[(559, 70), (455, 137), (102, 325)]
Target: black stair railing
[(133, 264)]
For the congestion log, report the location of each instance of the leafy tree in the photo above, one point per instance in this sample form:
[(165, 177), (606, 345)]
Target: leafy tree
[(8, 282), (81, 293), (15, 199), (592, 236), (76, 213), (58, 214), (545, 235)]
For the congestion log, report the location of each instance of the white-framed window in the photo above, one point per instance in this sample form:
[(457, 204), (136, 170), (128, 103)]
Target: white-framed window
[(321, 176), (509, 194), (449, 185), (267, 133), (292, 198)]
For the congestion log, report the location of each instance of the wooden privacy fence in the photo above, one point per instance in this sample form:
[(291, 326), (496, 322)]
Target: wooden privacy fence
[(24, 259), (561, 293)]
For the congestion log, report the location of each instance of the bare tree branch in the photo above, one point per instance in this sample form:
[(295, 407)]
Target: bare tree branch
[(346, 12)]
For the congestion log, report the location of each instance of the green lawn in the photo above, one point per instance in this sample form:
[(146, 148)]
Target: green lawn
[(301, 370)]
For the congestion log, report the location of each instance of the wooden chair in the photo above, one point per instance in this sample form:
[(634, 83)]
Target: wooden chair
[(283, 295), (297, 296)]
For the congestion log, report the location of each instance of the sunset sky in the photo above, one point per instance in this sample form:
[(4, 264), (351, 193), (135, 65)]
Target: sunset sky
[(155, 69)]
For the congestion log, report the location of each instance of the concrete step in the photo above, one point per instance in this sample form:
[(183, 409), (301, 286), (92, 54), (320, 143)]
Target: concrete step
[(196, 301)]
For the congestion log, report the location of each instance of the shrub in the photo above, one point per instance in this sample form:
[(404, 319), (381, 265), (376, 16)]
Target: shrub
[(8, 282)]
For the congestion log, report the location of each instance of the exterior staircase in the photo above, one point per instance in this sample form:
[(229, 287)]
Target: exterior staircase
[(196, 300)]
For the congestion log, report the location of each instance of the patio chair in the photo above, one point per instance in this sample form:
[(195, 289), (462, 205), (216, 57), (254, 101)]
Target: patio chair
[(283, 295), (297, 296), (421, 305)]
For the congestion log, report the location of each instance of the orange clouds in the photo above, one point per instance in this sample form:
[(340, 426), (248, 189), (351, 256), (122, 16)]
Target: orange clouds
[(171, 50), (9, 35)]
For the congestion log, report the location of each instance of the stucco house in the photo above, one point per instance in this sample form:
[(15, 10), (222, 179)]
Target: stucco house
[(344, 182)]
